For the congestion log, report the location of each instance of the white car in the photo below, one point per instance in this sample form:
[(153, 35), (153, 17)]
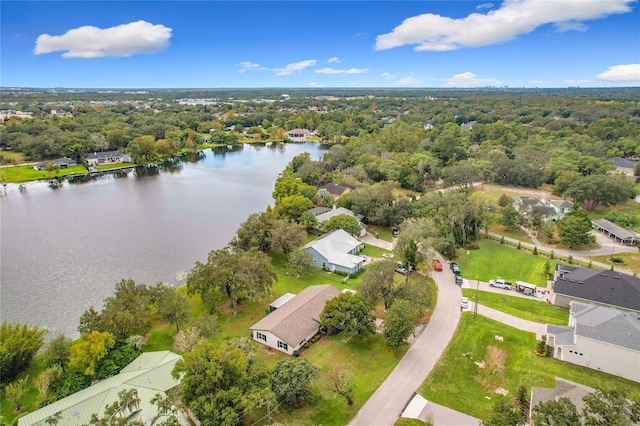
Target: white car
[(464, 303), (501, 284)]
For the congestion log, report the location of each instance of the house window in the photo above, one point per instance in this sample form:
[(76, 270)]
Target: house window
[(261, 336), (282, 345)]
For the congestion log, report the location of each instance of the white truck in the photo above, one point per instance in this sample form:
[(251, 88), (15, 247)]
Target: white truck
[(500, 283)]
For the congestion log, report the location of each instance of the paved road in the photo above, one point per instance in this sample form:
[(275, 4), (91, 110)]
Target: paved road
[(386, 404)]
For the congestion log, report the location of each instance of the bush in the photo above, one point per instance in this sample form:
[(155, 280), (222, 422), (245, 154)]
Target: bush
[(535, 251), (72, 383), (617, 259), (115, 360), (542, 349), (296, 353), (519, 245), (502, 240)]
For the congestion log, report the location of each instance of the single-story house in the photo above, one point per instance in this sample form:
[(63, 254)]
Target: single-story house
[(549, 209), (564, 389), (336, 251), (323, 214), (600, 287), (149, 374), (604, 339), (624, 166), (296, 321), (337, 190), (63, 162), (619, 233), (107, 157), (298, 134)]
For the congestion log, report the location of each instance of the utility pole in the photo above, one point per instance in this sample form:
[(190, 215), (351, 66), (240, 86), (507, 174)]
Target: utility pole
[(475, 306), (269, 411)]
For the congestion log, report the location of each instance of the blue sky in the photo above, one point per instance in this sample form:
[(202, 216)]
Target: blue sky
[(164, 44)]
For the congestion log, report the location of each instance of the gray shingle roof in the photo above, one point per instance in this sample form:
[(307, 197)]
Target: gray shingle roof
[(622, 162), (323, 217), (564, 389), (606, 287), (337, 188), (106, 154), (563, 334), (300, 316), (608, 325), (614, 229)]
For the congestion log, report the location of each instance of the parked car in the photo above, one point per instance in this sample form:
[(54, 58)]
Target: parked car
[(437, 265), (394, 231), (455, 268), (464, 303), (402, 271), (500, 283), (459, 280)]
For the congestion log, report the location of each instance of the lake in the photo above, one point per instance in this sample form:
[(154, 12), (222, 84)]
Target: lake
[(63, 250)]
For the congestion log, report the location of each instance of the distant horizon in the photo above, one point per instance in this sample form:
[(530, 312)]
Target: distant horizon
[(488, 88), (323, 44)]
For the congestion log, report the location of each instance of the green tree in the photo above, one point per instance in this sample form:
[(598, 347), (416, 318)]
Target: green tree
[(510, 217), (561, 412), (293, 206), (173, 307), (594, 190), (610, 407), (255, 232), (308, 220), (377, 282), (86, 352), (342, 221), (56, 351), (575, 228), (17, 391), (291, 380), (218, 383), (286, 236), (118, 412), (52, 167), (341, 380), (44, 381), (399, 324), (504, 414), (126, 313), (234, 272), (19, 343), (300, 262), (348, 312)]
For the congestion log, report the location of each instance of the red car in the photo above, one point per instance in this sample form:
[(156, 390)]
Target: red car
[(437, 265)]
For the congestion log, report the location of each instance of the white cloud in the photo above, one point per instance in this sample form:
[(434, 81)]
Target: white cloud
[(329, 70), (513, 18), (629, 73), (387, 75), (315, 84), (407, 81), (295, 66), (248, 66), (469, 79), (538, 82), (334, 59), (93, 42), (485, 6)]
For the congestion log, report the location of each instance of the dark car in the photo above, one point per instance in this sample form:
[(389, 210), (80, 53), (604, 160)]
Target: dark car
[(459, 280), (455, 268), (402, 271)]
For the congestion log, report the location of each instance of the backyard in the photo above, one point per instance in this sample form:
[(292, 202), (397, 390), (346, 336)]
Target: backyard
[(475, 367)]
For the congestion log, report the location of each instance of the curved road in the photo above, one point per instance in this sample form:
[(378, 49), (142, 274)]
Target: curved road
[(385, 406)]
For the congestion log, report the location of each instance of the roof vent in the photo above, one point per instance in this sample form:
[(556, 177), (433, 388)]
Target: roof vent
[(580, 282), (603, 275), (617, 277)]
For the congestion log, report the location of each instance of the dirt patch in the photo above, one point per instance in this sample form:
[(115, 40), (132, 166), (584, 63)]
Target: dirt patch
[(501, 391), (226, 309), (492, 376)]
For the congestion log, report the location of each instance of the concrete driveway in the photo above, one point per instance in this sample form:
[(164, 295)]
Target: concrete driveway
[(386, 404)]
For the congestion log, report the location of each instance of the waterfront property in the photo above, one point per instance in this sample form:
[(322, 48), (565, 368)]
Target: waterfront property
[(336, 251), (323, 214), (337, 190), (605, 288), (63, 163), (149, 375), (298, 135), (107, 157), (600, 338), (294, 322)]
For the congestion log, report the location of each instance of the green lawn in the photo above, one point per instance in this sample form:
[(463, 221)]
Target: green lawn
[(113, 166), (459, 383), (383, 232), (538, 311), (631, 261), (374, 251), (26, 173), (494, 260)]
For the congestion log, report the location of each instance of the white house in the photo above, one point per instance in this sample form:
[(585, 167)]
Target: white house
[(549, 209), (323, 214), (149, 375), (336, 251), (604, 339), (298, 134), (107, 157), (295, 321)]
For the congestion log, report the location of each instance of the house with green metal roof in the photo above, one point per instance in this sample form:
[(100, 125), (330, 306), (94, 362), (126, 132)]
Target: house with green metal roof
[(149, 375)]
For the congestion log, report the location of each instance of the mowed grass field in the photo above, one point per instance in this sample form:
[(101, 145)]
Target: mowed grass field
[(528, 309), (26, 173), (458, 382), (494, 260)]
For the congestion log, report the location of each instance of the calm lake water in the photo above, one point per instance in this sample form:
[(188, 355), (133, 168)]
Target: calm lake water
[(63, 250)]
